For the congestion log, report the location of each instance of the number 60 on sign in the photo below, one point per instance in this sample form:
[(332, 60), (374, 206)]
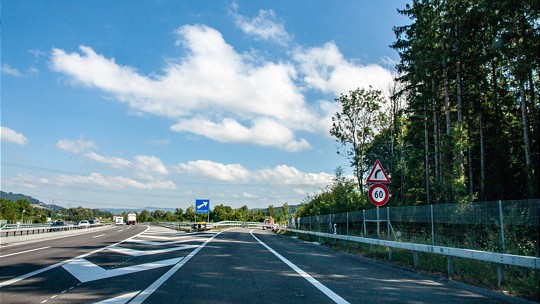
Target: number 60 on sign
[(378, 194)]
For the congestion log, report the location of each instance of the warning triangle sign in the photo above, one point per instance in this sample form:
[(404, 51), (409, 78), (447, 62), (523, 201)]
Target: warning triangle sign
[(378, 175)]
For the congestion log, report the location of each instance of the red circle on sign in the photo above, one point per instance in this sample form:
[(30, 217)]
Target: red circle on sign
[(378, 194)]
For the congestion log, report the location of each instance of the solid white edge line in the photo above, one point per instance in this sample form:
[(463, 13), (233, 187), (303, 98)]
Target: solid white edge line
[(141, 297), (329, 293), (31, 274), (3, 256)]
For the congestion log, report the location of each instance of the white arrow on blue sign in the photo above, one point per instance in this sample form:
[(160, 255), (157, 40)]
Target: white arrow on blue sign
[(202, 206)]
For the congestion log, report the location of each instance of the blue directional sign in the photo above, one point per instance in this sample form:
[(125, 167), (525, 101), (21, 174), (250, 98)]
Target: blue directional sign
[(202, 206)]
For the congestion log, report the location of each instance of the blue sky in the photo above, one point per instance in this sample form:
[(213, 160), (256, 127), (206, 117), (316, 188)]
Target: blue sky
[(131, 104)]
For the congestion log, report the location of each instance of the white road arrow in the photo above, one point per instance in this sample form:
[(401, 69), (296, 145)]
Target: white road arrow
[(86, 271)]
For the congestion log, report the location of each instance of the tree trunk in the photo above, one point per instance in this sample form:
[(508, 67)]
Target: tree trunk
[(446, 97), (459, 106), (482, 158), (526, 143)]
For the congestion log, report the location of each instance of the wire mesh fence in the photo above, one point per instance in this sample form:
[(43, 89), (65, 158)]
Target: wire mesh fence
[(502, 226)]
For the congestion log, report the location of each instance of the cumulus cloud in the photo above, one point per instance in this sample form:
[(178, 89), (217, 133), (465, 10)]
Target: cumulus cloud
[(111, 182), (265, 26), (263, 131), (75, 146), (149, 166), (286, 175), (212, 79), (214, 170), (280, 175), (217, 92), (325, 68), (10, 135), (114, 162)]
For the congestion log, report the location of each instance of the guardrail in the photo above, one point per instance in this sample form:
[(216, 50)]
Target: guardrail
[(498, 258), (188, 225), (28, 229)]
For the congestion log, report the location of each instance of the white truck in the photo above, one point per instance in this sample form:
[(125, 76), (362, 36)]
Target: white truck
[(131, 219), (118, 220)]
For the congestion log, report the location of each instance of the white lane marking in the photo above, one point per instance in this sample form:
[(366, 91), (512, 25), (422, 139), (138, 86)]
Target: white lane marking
[(96, 236), (329, 293), (154, 243), (3, 256), (86, 271), (33, 273), (120, 299), (134, 252), (141, 297), (120, 230), (159, 237)]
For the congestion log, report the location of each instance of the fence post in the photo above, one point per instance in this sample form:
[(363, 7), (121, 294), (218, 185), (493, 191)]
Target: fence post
[(500, 267), (388, 222), (415, 259), (502, 228), (364, 220), (347, 223), (450, 266), (432, 227)]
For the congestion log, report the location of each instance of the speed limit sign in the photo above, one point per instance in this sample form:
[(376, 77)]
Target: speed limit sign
[(378, 194)]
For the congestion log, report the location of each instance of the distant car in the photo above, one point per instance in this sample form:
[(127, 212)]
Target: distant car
[(84, 224), (58, 225)]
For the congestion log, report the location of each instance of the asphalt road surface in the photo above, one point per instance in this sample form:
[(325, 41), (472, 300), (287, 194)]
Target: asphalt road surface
[(139, 264)]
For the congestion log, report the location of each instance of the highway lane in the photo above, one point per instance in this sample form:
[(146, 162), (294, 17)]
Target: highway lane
[(21, 258), (236, 268), (232, 266)]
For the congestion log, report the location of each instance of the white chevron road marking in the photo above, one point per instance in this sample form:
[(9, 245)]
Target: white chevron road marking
[(86, 271)]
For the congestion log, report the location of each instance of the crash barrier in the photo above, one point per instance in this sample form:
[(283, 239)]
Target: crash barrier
[(500, 228), (218, 225), (11, 234), (499, 258)]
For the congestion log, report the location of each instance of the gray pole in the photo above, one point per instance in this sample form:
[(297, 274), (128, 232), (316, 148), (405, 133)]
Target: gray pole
[(432, 227), (502, 227), (378, 223)]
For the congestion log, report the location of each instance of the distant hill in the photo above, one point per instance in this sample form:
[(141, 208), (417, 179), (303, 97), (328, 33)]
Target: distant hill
[(35, 202)]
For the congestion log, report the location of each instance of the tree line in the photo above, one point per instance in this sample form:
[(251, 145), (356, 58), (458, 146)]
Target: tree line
[(460, 123), (217, 214), (23, 210)]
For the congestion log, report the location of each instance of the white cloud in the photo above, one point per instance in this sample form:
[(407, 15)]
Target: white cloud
[(75, 146), (280, 175), (212, 79), (148, 166), (216, 92), (111, 182), (10, 135), (216, 171), (114, 162), (324, 68), (264, 26), (8, 70), (263, 131), (286, 175)]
